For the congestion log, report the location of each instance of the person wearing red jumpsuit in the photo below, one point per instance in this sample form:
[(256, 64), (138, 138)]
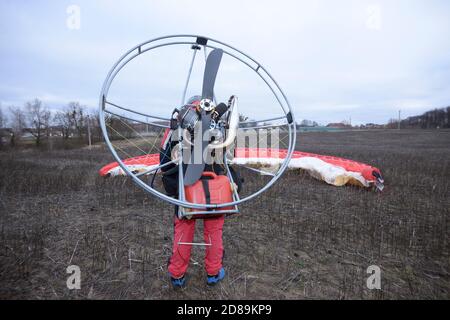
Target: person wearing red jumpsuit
[(212, 236), (184, 228)]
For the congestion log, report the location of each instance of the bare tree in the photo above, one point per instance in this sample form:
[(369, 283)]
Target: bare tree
[(97, 134), (38, 118), (94, 131), (71, 120), (64, 120), (3, 121), (119, 128), (18, 123), (433, 119), (2, 117), (77, 114)]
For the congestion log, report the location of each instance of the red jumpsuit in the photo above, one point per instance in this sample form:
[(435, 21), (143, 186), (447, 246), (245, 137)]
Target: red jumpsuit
[(184, 232)]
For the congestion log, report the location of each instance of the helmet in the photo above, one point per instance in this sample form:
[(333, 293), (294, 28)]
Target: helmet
[(194, 100)]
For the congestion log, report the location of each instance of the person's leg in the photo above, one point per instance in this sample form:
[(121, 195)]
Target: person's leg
[(213, 234), (179, 261)]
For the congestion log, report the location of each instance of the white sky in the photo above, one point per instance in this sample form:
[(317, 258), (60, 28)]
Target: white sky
[(334, 59)]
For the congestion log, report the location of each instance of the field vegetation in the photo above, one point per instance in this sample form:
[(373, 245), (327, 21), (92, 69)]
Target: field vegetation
[(302, 239)]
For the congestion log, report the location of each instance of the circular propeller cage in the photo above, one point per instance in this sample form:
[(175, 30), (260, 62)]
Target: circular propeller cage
[(286, 120)]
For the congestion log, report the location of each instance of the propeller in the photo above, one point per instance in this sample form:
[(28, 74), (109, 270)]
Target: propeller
[(194, 170), (209, 77)]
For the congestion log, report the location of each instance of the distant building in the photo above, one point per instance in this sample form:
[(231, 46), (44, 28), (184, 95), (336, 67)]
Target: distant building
[(372, 126), (339, 125), (248, 124)]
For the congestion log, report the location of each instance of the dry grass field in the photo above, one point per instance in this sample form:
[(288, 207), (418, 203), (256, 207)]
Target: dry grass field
[(303, 239)]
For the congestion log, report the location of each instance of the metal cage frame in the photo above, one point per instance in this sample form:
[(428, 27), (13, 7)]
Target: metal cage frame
[(196, 42)]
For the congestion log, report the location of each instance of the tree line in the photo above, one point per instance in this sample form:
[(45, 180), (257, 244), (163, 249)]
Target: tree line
[(36, 121), (433, 119)]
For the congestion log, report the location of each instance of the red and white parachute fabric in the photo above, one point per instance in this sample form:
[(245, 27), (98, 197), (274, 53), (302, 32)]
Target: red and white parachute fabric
[(333, 170)]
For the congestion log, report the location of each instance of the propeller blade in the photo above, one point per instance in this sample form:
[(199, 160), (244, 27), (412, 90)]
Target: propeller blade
[(209, 77), (194, 170)]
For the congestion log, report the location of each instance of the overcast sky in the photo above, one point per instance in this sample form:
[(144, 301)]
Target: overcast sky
[(334, 59)]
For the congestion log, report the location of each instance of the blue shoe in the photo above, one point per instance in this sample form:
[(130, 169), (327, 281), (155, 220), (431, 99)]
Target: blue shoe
[(213, 280), (178, 283)]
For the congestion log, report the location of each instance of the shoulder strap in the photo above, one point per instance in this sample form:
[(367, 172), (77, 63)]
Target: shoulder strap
[(207, 193)]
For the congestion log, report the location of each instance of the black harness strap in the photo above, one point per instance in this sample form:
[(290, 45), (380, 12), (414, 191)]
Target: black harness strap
[(207, 193)]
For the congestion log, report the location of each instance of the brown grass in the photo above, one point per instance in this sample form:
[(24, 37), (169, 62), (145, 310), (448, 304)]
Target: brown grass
[(302, 239)]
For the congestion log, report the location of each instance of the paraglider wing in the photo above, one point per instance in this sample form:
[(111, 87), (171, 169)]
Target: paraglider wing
[(333, 170)]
